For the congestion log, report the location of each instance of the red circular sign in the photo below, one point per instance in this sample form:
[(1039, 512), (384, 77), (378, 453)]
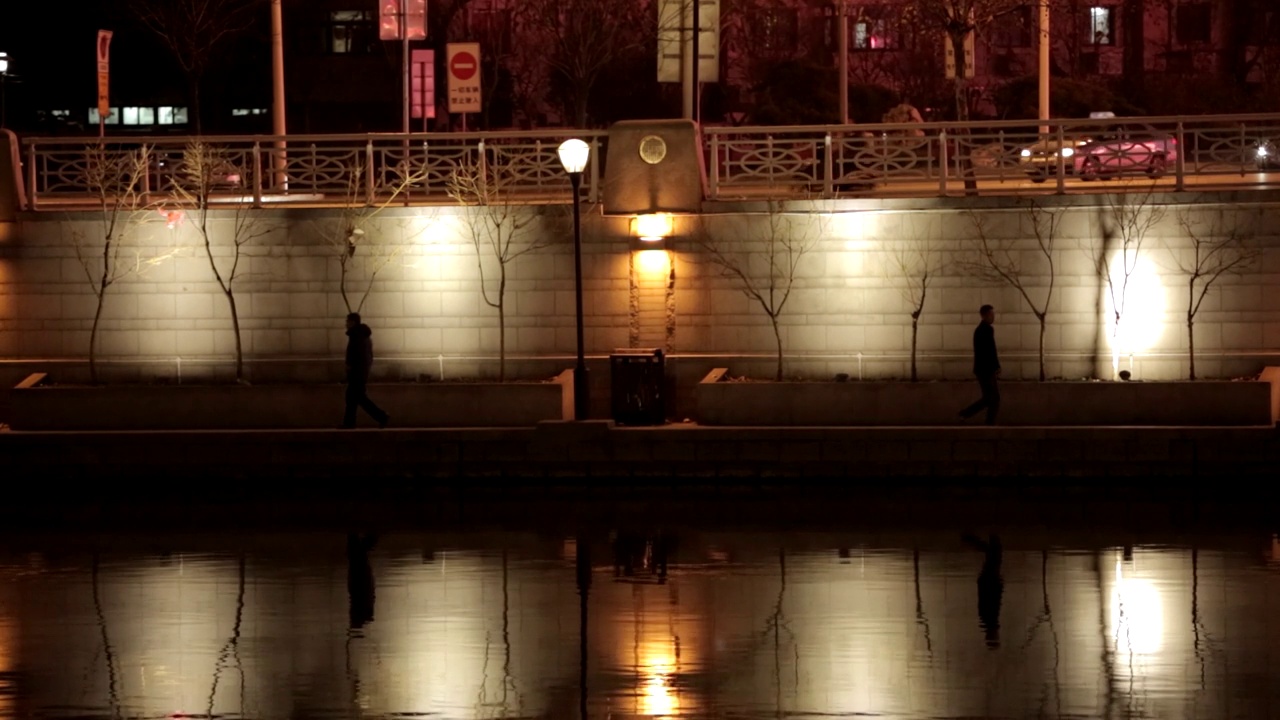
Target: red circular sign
[(463, 65)]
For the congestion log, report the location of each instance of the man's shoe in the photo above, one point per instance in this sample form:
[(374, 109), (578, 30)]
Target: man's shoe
[(383, 425)]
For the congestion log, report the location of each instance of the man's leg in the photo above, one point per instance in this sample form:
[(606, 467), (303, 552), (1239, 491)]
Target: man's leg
[(374, 411), (991, 398), (976, 408), (354, 392)]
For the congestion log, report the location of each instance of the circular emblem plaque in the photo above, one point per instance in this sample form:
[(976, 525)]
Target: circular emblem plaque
[(652, 149)]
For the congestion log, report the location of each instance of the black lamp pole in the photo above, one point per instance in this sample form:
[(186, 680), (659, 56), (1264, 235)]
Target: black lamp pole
[(581, 386)]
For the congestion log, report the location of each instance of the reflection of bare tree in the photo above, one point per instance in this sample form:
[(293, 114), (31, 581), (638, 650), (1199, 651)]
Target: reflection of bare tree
[(1204, 643), (582, 563), (230, 649), (1046, 618), (921, 619), (113, 687), (1108, 654)]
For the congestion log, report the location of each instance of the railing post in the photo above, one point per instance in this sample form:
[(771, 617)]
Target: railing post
[(1180, 159), (32, 175), (368, 173), (593, 190), (828, 169), (1061, 160), (257, 174), (942, 163), (715, 165)]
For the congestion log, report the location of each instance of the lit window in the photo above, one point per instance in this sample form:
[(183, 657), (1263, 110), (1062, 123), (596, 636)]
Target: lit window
[(351, 32), (130, 116), (60, 113), (1102, 25), (239, 112), (112, 119), (166, 116), (180, 116), (146, 116)]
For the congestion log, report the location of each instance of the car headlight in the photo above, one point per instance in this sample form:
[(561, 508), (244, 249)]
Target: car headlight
[(1068, 152), (1026, 153), (1262, 152)]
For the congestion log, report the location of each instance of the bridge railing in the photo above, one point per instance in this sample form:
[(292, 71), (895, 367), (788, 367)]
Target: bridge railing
[(998, 158), (316, 169), (1226, 152)]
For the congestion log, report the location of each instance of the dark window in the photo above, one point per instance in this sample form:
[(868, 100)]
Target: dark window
[(1179, 61), (1014, 30), (778, 31), (1006, 65), (1265, 30), (1089, 63), (1102, 25), (351, 32), (1194, 23)]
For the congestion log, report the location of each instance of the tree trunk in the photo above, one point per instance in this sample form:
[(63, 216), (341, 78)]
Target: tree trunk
[(197, 126), (502, 340), (1191, 344), (962, 112), (1042, 324), (93, 341), (777, 336), (235, 326), (915, 326)]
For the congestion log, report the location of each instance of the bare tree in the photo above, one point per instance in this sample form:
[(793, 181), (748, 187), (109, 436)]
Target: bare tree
[(916, 264), (1220, 245), (580, 39), (765, 265), (194, 31), (502, 228), (109, 254), (206, 169), (999, 261), (958, 19), (359, 244), (1125, 220)]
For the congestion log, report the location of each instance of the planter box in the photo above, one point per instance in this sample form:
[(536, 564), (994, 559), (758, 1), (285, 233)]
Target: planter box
[(245, 407), (1022, 403)]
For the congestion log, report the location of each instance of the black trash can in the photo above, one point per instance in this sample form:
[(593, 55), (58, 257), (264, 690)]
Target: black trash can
[(637, 382)]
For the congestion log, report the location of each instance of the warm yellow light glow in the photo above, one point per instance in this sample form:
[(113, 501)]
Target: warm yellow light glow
[(657, 670), (1137, 616), (651, 228), (653, 263), (855, 228), (1142, 303)]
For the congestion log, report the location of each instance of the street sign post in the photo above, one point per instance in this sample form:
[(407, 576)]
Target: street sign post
[(104, 79), (424, 85), (463, 62)]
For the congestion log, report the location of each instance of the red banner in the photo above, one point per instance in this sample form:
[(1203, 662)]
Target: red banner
[(390, 14), (423, 87)]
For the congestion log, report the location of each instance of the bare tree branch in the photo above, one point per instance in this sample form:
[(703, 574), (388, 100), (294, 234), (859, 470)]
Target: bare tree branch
[(913, 266)]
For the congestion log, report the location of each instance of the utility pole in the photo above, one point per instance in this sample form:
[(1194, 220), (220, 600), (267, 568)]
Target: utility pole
[(842, 47), (404, 65), (1042, 28), (696, 106), (279, 127)]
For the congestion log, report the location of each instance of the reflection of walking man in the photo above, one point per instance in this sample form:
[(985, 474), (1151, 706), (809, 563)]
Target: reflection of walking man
[(359, 362), (986, 366)]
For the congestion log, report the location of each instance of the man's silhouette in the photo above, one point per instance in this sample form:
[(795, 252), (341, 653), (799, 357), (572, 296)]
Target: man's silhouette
[(986, 367), (990, 588), (359, 363)]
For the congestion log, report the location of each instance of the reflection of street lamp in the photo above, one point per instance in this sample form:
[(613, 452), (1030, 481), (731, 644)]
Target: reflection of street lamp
[(573, 156), (4, 80)]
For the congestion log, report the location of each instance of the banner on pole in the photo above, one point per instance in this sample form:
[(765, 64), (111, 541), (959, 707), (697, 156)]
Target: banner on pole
[(423, 84), (391, 12), (675, 19), (104, 73)]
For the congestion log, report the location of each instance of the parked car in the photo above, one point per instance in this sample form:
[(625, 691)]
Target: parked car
[(1112, 151)]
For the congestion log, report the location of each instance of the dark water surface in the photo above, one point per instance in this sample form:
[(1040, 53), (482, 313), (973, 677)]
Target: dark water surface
[(740, 625)]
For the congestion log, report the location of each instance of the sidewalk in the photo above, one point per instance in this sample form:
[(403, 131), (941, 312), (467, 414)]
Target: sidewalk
[(599, 450)]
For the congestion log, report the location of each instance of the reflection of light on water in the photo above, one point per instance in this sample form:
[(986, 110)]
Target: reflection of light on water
[(1137, 616), (657, 670)]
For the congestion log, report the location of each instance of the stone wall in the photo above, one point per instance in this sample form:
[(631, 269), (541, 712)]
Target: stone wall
[(846, 312)]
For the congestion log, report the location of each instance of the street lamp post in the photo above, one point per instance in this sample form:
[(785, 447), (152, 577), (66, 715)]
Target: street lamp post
[(573, 156)]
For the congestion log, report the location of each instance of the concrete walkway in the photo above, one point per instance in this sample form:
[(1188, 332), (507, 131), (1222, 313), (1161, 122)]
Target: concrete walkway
[(597, 449)]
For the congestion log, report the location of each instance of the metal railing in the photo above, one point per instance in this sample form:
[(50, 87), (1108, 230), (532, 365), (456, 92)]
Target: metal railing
[(1227, 152), (338, 170), (995, 158)]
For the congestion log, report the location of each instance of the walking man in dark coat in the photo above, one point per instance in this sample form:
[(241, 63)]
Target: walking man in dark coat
[(986, 366), (359, 362)]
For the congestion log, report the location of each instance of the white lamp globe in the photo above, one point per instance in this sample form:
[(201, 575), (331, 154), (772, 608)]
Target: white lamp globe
[(573, 155)]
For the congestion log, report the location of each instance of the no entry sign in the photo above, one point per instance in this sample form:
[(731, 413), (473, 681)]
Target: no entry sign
[(463, 61)]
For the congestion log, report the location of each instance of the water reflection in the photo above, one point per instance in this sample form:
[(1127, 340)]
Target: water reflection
[(640, 625)]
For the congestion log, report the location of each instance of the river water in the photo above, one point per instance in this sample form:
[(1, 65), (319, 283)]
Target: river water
[(739, 625)]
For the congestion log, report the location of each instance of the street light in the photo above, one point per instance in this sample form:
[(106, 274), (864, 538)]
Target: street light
[(573, 156)]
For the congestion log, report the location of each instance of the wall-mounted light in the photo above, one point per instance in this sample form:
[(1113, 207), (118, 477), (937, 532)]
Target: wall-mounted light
[(652, 228)]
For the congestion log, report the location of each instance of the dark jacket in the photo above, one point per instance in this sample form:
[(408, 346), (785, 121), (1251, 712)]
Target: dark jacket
[(985, 360), (359, 353)]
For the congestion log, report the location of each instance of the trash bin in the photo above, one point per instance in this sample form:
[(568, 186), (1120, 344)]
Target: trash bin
[(637, 379)]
